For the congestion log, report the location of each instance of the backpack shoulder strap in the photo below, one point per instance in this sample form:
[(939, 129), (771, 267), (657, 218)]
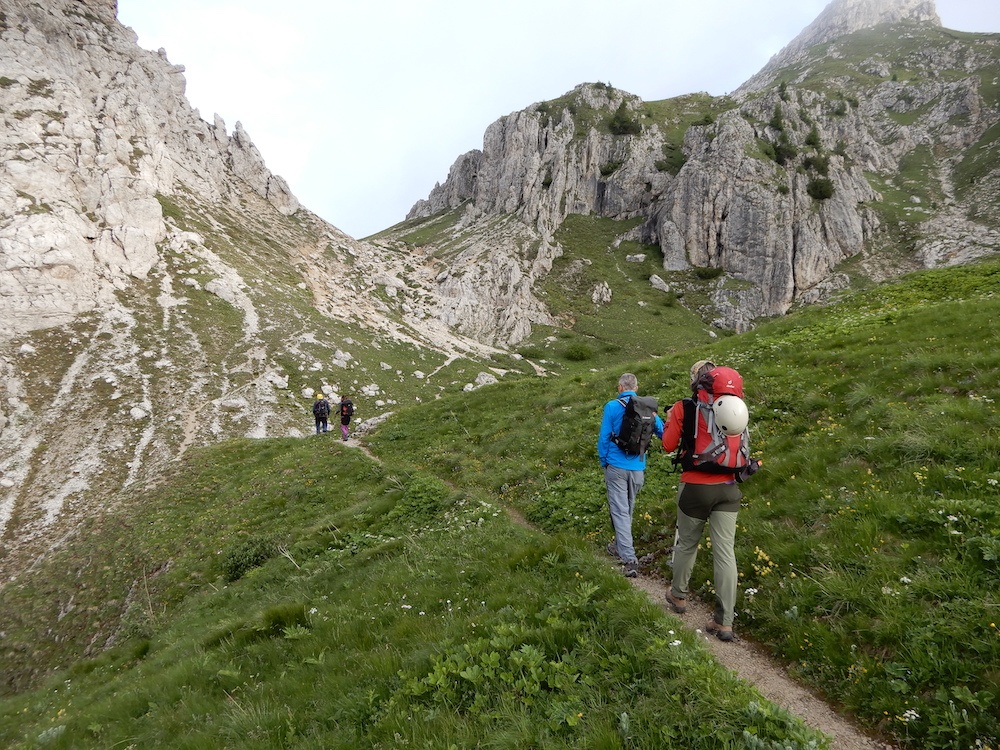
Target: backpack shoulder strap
[(685, 448), (690, 424)]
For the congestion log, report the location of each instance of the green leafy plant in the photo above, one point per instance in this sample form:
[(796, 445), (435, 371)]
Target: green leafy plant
[(623, 123), (813, 139), (817, 163), (610, 168), (777, 121), (673, 159), (820, 188), (708, 272), (784, 150), (247, 554), (578, 352)]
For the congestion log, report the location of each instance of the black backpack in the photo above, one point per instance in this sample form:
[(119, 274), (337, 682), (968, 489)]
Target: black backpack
[(638, 424), (321, 408), (347, 409)]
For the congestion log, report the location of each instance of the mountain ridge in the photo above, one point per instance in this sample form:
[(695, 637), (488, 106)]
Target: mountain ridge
[(838, 19), (162, 288), (777, 186)]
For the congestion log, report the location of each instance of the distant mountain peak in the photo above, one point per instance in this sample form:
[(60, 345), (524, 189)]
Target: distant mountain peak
[(839, 18)]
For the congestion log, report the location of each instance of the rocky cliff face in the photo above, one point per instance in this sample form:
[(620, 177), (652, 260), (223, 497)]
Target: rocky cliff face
[(160, 287), (535, 165), (830, 153), (94, 129), (539, 165)]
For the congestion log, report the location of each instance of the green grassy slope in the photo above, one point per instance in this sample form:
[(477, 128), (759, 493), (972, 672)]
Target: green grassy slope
[(638, 320), (294, 593), (868, 545)]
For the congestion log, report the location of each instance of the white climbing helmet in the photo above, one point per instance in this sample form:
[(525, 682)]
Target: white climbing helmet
[(731, 414)]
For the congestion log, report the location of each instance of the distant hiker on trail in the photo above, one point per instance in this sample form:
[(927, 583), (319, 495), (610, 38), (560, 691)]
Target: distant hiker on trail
[(321, 411), (628, 424), (346, 412), (710, 428)]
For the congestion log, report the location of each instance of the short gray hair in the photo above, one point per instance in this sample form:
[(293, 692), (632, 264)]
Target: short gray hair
[(629, 382)]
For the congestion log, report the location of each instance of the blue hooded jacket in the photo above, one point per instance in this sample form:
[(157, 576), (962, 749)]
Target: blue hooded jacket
[(611, 423)]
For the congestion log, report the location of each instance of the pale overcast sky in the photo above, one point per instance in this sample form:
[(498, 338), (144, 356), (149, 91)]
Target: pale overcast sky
[(363, 106)]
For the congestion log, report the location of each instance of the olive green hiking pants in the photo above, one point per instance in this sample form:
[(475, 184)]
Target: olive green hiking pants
[(706, 500)]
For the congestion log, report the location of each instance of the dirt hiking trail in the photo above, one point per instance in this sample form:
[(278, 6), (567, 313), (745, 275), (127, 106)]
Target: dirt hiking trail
[(743, 658), (758, 669), (755, 667)]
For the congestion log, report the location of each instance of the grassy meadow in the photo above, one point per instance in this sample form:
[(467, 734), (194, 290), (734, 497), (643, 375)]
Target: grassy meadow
[(300, 594)]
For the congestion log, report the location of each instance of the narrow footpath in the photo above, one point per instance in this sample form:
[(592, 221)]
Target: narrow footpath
[(755, 667), (744, 659), (758, 669)]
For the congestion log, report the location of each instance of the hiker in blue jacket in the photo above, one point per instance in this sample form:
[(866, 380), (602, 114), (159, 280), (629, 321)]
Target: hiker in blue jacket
[(623, 472)]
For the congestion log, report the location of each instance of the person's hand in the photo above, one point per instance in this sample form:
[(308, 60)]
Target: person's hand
[(749, 470)]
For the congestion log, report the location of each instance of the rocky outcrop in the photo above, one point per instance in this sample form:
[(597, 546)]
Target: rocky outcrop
[(733, 209), (95, 129), (488, 291), (535, 164), (459, 187), (776, 190), (107, 9)]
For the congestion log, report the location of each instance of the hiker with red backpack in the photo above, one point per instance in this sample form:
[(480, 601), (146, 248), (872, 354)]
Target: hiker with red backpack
[(627, 427), (709, 432)]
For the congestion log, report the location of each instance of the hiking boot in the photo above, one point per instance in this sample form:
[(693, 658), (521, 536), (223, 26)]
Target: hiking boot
[(631, 569), (676, 603), (613, 550), (723, 634)]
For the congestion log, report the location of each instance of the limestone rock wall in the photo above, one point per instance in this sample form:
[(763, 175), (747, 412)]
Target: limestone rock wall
[(733, 205), (94, 130)]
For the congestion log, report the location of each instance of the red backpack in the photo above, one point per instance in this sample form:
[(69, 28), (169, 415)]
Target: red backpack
[(704, 446), (721, 381)]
